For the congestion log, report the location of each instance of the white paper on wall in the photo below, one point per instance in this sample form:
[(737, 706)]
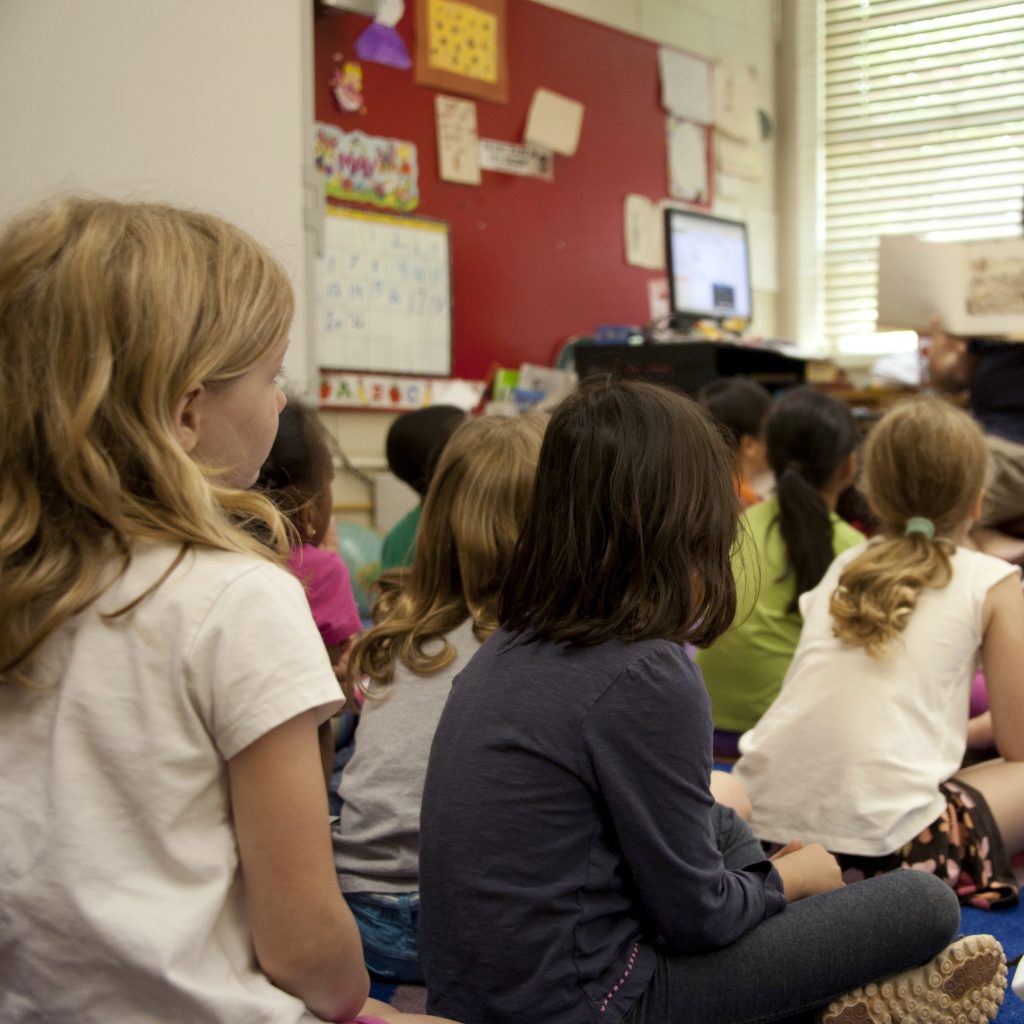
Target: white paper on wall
[(687, 161), (686, 89)]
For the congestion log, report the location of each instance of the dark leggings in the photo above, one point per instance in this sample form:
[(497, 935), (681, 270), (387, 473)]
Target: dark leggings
[(791, 965)]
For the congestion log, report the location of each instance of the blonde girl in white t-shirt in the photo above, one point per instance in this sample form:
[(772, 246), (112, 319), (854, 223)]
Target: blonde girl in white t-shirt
[(166, 855), (861, 749)]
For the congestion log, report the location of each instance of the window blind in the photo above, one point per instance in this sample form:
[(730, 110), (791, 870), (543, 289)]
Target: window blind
[(922, 128)]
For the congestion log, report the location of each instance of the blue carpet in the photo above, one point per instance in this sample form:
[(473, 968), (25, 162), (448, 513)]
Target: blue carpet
[(1008, 927)]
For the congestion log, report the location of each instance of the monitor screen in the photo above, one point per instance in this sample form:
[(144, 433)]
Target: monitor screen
[(708, 266)]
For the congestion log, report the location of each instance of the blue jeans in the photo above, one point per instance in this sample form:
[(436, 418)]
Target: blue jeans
[(791, 965), (389, 924)]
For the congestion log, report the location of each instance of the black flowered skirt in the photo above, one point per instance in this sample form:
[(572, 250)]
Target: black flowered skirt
[(963, 847)]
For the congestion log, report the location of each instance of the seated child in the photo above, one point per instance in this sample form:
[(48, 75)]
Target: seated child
[(568, 865), (165, 854), (415, 441), (297, 477), (429, 621), (861, 749), (741, 407), (786, 544)]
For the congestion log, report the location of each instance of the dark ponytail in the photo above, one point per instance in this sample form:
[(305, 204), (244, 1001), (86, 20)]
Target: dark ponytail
[(809, 435)]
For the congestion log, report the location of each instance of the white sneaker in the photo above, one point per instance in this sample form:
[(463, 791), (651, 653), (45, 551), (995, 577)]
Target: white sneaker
[(964, 984)]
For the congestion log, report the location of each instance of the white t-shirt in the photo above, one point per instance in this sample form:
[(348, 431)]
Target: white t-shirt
[(853, 749), (121, 896)]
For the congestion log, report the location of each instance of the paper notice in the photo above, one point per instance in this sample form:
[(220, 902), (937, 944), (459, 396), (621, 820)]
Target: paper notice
[(645, 236), (686, 89), (687, 161), (513, 158), (554, 122), (458, 150)]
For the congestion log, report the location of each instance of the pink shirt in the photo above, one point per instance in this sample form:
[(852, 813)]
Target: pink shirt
[(328, 590)]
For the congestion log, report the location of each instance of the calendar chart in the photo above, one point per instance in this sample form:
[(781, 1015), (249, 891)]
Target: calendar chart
[(383, 295)]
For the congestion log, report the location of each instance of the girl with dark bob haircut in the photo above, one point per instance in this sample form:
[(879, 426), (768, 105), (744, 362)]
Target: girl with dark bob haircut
[(602, 555), (571, 869)]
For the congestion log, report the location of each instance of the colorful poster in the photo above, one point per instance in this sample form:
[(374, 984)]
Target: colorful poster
[(339, 389), (460, 47), (368, 168)]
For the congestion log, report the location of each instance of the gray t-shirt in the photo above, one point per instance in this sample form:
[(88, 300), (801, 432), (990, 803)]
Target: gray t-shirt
[(377, 838)]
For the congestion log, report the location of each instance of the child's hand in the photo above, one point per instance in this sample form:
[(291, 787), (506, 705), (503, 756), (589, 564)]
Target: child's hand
[(807, 870), (341, 661), (979, 732)]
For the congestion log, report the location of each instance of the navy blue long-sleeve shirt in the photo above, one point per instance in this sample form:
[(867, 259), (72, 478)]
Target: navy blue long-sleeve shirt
[(566, 831)]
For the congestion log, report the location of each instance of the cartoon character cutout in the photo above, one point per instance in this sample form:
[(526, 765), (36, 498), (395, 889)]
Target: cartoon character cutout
[(347, 86)]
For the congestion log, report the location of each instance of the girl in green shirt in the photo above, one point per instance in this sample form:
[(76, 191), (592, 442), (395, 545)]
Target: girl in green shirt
[(785, 546)]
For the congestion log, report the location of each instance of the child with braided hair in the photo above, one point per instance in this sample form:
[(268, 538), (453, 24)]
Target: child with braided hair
[(861, 748)]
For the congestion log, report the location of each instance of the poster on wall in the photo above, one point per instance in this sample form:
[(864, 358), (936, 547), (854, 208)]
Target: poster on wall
[(461, 47), (367, 168), (458, 146), (687, 147)]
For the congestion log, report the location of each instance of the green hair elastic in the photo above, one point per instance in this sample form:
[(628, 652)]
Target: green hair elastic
[(920, 524)]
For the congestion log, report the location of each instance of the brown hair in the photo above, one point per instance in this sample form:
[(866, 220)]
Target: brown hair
[(924, 458), (109, 313), (471, 517), (631, 523)]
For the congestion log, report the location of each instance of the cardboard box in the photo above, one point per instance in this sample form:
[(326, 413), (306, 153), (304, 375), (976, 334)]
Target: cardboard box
[(975, 288)]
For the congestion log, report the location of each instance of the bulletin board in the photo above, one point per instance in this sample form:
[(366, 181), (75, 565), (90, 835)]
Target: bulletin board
[(383, 294), (533, 261)]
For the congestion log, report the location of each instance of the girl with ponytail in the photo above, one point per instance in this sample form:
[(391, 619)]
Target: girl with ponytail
[(860, 750), (786, 546)]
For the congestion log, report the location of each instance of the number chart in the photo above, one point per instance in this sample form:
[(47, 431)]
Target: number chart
[(383, 296)]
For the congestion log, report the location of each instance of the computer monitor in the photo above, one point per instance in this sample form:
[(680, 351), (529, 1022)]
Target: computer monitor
[(708, 264)]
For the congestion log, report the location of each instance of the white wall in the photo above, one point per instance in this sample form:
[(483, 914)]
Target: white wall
[(199, 102)]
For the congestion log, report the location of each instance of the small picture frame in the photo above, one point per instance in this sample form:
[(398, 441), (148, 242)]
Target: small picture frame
[(461, 47)]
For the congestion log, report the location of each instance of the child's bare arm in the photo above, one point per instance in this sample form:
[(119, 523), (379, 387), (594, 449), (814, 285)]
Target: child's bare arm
[(1002, 655), (304, 934)]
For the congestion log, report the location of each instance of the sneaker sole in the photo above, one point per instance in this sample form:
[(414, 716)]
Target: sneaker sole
[(964, 984)]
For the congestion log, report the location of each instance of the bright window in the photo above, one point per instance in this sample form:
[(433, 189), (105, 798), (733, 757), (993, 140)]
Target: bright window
[(921, 131)]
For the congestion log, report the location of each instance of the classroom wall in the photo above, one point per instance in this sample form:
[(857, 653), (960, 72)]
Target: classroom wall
[(210, 104), (742, 30), (193, 102)]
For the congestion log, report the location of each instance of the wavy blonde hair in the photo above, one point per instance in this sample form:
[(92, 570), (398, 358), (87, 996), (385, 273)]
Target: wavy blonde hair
[(109, 313), (924, 458), (471, 518)]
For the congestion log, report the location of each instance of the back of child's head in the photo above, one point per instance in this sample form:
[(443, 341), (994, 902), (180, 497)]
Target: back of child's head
[(416, 439), (109, 313), (299, 469), (630, 525), (810, 436), (739, 405), (923, 474), (471, 519)]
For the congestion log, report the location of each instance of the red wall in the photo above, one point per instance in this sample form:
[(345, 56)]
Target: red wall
[(533, 262)]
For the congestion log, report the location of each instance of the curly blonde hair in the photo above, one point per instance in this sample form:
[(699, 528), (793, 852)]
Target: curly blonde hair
[(924, 458), (109, 313), (471, 518)]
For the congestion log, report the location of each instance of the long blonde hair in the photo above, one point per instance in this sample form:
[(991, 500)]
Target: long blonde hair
[(471, 517), (925, 458), (109, 313)]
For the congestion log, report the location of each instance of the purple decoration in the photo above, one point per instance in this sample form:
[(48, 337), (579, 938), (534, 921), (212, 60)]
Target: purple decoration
[(383, 45)]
